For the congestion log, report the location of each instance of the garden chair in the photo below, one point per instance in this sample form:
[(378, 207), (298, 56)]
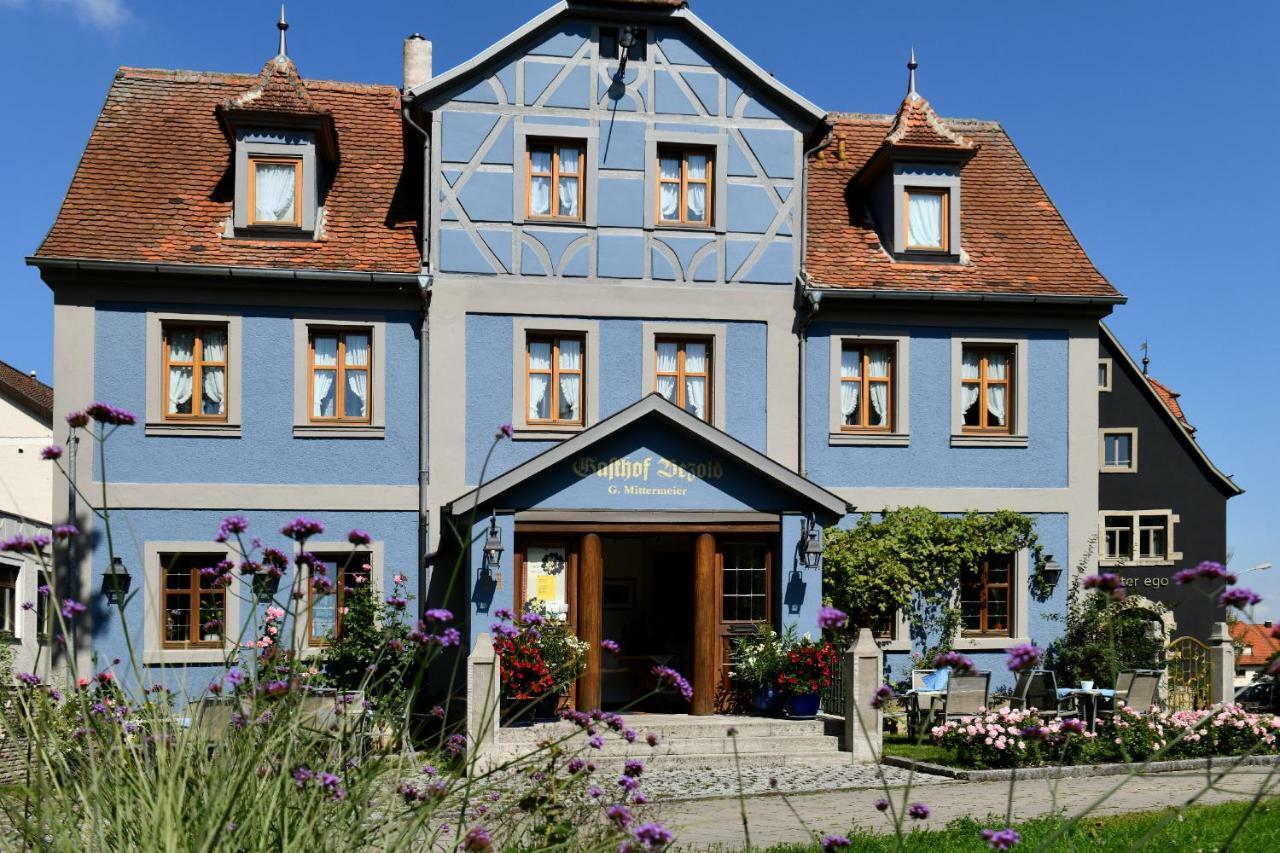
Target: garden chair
[(1141, 695), (923, 679), (966, 696), (1037, 688)]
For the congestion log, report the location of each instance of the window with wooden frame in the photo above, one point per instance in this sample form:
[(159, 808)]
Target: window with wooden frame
[(195, 373), (8, 599), (744, 582), (339, 375), (555, 379), (193, 602), (327, 599), (986, 388), (866, 386), (986, 597), (44, 613), (682, 373), (555, 188), (275, 191), (926, 219), (684, 186), (1138, 537)]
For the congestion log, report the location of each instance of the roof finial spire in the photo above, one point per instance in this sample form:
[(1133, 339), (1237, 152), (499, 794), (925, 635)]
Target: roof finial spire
[(282, 26), (1146, 357), (911, 75)]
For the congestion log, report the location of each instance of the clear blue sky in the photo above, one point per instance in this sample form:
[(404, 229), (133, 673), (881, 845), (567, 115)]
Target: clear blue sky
[(1153, 126)]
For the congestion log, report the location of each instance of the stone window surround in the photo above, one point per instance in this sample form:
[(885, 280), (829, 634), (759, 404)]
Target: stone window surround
[(1108, 365), (304, 151), (1018, 436), (153, 650), (522, 328), (719, 143), (715, 333), (376, 325), (901, 433), (1171, 558), (155, 422), (1021, 632), (523, 134), (1132, 467), (376, 549), (906, 177), (21, 584)]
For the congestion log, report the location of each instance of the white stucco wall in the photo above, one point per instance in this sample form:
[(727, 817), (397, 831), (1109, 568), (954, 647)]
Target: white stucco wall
[(26, 480)]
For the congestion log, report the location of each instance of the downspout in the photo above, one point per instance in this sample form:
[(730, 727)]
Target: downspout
[(425, 282), (807, 308)]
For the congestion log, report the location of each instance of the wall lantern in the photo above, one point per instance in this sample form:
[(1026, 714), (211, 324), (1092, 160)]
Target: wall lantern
[(266, 583), (493, 544), (1051, 572), (811, 545), (626, 40), (116, 581)]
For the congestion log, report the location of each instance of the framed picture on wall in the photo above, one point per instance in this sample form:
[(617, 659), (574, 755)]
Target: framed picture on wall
[(618, 594)]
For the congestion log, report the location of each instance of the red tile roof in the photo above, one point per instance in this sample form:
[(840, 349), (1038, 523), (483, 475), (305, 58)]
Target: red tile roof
[(1014, 241), (916, 125), (26, 389), (1259, 641), (1170, 398), (155, 183), (278, 89)]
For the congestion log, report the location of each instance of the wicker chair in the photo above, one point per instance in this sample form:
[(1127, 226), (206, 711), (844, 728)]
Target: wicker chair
[(966, 696), (1037, 688)]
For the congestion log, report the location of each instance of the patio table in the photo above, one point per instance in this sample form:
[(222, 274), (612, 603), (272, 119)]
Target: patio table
[(1088, 700), (920, 702)]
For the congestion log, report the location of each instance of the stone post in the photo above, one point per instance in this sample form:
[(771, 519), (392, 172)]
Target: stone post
[(863, 671), (483, 683), (1155, 631), (1222, 663)]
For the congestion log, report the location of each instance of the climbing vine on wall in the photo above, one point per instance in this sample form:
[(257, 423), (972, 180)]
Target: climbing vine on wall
[(911, 559)]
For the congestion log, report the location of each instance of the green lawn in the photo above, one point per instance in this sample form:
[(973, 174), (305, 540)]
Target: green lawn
[(904, 747), (1200, 828)]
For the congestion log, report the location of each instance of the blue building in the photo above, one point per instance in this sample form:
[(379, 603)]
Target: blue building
[(605, 316)]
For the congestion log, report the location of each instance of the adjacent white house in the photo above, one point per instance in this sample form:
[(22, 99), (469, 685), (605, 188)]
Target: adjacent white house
[(26, 505)]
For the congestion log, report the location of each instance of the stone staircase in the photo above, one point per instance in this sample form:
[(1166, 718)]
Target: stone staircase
[(687, 743)]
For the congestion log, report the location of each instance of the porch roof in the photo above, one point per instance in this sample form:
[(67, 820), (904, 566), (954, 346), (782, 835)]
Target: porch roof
[(812, 497)]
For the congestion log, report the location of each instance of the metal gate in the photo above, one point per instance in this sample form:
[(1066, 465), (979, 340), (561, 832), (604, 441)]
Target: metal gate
[(1190, 669)]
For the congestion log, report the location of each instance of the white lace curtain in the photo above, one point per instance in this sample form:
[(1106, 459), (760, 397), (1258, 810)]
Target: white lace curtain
[(181, 348), (697, 192), (695, 387), (924, 219), (323, 390), (850, 392), (569, 182), (969, 370), (356, 399), (996, 394), (878, 365), (669, 188), (668, 355), (540, 183), (570, 383), (213, 379), (540, 381), (274, 186)]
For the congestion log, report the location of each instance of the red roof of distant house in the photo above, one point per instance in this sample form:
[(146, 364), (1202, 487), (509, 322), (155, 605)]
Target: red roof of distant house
[(155, 183), (27, 389), (1170, 398), (1257, 640), (1014, 240)]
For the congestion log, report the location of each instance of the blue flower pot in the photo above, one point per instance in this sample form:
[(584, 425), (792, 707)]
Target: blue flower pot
[(803, 706), (767, 701)]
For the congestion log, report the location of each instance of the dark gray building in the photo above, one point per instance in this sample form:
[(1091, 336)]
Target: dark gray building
[(1162, 503)]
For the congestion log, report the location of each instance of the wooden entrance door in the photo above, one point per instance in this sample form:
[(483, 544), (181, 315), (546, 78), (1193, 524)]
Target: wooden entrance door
[(744, 592)]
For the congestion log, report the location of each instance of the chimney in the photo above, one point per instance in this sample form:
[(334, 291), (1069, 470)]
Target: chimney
[(32, 374), (1266, 624), (417, 61)]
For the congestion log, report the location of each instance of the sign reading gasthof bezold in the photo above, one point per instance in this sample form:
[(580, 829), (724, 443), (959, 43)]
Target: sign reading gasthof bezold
[(633, 476)]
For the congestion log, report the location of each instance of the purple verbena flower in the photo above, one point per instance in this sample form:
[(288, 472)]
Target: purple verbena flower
[(72, 608), (77, 419), (669, 677), (595, 742), (51, 453), (633, 767), (830, 617), (1208, 570), (359, 537), (883, 694), (477, 840), (232, 525), (1107, 582), (834, 842), (28, 678), (609, 646), (105, 413), (619, 814), (438, 614), (1025, 656), (628, 783), (918, 811), (956, 661), (398, 602), (505, 431), (629, 735), (881, 804), (1001, 839), (575, 765), (651, 739), (65, 531), (1238, 597), (653, 834), (301, 529), (595, 792)]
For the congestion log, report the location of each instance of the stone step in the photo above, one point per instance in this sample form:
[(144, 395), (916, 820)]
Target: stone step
[(615, 746), (607, 767), (667, 729)]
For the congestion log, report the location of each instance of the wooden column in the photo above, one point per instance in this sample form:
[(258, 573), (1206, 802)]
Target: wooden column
[(706, 655), (590, 581)]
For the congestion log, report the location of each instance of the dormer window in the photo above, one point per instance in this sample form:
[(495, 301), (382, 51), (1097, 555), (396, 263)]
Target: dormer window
[(275, 191), (926, 214)]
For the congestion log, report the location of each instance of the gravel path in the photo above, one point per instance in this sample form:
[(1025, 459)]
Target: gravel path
[(660, 785)]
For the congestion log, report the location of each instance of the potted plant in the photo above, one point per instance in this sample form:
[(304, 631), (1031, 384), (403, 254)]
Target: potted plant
[(807, 669), (541, 659), (756, 661)]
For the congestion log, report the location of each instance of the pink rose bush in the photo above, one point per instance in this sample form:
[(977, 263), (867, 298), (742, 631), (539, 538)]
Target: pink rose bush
[(1012, 738)]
